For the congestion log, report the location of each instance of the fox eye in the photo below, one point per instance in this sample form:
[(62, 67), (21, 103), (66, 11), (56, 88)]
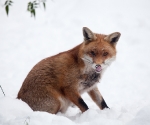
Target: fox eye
[(105, 53), (92, 53)]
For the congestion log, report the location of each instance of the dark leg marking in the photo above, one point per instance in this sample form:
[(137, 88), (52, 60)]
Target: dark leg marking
[(81, 102), (103, 104)]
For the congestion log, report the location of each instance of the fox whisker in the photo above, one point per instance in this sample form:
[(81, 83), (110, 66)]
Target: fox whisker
[(87, 60)]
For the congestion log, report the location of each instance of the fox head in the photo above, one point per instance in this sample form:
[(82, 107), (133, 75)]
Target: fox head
[(98, 50)]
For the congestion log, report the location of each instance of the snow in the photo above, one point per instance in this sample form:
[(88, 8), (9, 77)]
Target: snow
[(142, 117), (125, 86)]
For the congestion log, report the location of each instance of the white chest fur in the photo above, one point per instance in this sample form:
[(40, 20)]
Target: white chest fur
[(88, 80)]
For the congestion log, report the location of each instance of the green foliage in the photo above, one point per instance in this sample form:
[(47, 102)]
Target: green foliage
[(7, 4), (31, 7)]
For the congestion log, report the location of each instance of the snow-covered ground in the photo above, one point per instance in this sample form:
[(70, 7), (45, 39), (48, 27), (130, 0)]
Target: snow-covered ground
[(126, 84)]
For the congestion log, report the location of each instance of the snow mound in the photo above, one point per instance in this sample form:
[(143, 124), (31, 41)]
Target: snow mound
[(17, 112)]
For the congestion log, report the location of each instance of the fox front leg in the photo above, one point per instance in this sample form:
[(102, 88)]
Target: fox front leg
[(75, 98), (97, 98)]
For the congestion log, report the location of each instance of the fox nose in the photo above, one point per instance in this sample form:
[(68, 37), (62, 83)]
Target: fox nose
[(98, 65), (98, 68)]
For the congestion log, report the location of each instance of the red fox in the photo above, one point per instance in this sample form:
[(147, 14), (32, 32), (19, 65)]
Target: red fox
[(56, 82)]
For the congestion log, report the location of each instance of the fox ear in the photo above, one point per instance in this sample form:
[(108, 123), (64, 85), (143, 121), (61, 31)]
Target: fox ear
[(88, 34), (113, 37)]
